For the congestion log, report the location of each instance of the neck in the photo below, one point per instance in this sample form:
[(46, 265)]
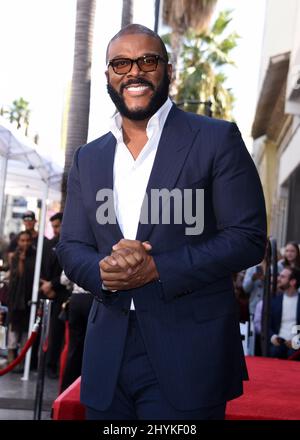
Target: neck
[(131, 126), (291, 291), (134, 135)]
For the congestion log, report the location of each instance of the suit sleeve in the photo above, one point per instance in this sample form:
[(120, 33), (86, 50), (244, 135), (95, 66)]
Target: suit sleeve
[(240, 240), (77, 249)]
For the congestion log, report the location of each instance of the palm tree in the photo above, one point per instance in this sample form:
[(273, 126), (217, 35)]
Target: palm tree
[(19, 113), (78, 117), (202, 78), (127, 13), (182, 15)]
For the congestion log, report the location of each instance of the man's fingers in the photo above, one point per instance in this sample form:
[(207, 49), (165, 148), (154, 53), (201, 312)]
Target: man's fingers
[(113, 276), (122, 261), (109, 264), (124, 243), (133, 258), (147, 246)]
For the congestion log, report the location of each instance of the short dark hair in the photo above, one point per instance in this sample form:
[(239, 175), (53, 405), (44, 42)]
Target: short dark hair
[(24, 233), (132, 29), (57, 216), (294, 275)]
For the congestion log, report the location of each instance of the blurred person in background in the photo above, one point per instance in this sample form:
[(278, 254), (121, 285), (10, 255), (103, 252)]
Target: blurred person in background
[(257, 327), (3, 251), (19, 293), (29, 222), (253, 285), (241, 295), (285, 313), (291, 256), (52, 288), (78, 312)]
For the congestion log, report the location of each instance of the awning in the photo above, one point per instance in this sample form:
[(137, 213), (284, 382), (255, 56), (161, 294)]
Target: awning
[(272, 91), (28, 166)]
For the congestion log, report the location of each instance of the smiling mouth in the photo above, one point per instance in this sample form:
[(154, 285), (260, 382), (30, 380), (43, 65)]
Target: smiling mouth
[(137, 89)]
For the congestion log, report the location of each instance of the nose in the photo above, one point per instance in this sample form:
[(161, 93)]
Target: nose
[(135, 70)]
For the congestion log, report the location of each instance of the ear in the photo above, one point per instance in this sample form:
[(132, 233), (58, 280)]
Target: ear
[(107, 75)]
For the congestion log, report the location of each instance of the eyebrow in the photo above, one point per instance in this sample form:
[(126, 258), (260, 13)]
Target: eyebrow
[(126, 56)]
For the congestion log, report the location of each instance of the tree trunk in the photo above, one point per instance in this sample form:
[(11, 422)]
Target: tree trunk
[(181, 15), (156, 15), (127, 13), (176, 45), (78, 117)]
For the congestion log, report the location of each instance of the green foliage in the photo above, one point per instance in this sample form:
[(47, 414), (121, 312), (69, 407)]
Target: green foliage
[(202, 76), (18, 112)]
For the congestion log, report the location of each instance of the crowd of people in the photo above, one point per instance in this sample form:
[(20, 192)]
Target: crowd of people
[(71, 304), (285, 305)]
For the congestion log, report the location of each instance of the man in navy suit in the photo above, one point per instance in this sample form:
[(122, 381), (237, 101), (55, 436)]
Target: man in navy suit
[(285, 313), (160, 212)]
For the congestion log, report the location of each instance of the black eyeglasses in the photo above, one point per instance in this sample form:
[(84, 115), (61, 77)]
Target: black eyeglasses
[(146, 63)]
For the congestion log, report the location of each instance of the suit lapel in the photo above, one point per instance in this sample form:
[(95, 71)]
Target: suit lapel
[(102, 177), (175, 143)]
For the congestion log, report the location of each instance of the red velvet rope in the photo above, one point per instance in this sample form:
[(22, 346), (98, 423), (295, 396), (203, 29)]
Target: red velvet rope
[(21, 356)]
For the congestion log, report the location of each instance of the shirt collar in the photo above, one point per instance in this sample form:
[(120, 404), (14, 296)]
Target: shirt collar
[(156, 122), (291, 296)]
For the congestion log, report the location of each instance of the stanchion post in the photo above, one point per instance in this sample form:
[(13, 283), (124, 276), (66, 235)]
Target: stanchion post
[(38, 403), (36, 279), (265, 318)]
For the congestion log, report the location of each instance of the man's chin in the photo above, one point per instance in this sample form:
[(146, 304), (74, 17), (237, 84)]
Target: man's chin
[(135, 108), (137, 113)]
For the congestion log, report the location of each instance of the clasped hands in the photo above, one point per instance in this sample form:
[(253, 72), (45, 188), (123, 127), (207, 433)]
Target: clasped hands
[(128, 266)]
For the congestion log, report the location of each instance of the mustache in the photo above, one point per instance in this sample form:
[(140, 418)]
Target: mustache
[(141, 81)]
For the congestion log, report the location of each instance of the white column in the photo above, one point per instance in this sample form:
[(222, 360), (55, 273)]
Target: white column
[(37, 271)]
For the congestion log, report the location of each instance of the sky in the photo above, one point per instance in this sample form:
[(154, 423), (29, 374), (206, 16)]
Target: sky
[(37, 43)]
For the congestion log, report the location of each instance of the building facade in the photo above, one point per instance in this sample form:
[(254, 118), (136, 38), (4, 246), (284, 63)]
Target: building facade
[(276, 126)]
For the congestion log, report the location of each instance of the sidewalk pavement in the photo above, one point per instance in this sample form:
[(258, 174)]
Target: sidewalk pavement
[(17, 396)]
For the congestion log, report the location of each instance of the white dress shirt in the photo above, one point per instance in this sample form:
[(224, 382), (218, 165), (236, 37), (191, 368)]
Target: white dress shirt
[(131, 175), (289, 316)]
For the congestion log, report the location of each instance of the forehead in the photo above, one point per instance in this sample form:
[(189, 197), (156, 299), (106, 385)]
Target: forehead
[(134, 45), (24, 237), (55, 222), (290, 247), (285, 273)]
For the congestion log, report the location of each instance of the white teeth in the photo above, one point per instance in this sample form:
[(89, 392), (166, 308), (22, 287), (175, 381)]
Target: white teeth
[(137, 88)]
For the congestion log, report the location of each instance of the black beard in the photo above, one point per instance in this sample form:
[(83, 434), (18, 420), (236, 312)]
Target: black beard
[(158, 99)]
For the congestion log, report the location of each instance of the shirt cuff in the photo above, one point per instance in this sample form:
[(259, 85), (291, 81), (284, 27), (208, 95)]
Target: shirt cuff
[(106, 289)]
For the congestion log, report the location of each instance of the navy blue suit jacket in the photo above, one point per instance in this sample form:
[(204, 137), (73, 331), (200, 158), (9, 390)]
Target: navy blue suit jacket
[(276, 314), (188, 319)]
